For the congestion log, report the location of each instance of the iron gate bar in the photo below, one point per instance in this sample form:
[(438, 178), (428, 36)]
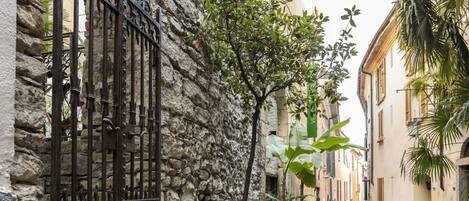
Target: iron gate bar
[(56, 99), (150, 119), (158, 109), (133, 112), (119, 173), (142, 112), (90, 100), (104, 105), (74, 96)]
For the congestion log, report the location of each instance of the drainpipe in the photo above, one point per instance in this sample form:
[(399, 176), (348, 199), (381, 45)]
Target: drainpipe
[(370, 134)]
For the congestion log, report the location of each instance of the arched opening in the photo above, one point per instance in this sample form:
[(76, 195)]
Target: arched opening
[(464, 172)]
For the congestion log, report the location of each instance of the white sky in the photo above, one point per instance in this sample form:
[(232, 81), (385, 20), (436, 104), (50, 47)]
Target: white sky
[(373, 14)]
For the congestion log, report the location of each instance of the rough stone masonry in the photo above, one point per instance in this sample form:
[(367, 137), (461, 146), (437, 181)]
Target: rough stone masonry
[(205, 142)]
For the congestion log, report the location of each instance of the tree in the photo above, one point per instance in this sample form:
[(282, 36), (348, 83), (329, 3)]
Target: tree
[(431, 35), (259, 48), (299, 156)]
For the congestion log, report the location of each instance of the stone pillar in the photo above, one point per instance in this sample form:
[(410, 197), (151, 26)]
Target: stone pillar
[(30, 104), (7, 92)]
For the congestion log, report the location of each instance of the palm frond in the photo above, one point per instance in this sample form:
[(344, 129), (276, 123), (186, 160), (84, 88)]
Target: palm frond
[(437, 129), (422, 163), (418, 37)]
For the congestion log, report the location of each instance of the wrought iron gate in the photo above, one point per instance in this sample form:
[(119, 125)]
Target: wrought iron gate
[(113, 149)]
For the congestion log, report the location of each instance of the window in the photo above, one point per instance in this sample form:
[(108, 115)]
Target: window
[(381, 82), (380, 189), (408, 106), (423, 104), (380, 127), (271, 185)]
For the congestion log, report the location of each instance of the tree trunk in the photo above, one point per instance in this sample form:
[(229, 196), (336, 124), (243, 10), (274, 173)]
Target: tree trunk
[(283, 190), (252, 153)]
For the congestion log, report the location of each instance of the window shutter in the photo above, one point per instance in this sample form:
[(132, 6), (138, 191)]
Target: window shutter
[(423, 104), (380, 189), (380, 126), (408, 106), (383, 92)]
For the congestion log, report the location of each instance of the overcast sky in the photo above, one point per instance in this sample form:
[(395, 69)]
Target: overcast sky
[(373, 14)]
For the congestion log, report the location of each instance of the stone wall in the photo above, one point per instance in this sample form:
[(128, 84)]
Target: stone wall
[(205, 140), (30, 102), (205, 133)]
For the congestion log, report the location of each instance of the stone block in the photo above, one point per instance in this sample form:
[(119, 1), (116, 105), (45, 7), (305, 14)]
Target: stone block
[(30, 106), (28, 44), (30, 18), (28, 192), (26, 168), (30, 67)]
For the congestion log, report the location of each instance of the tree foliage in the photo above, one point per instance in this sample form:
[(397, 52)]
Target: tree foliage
[(259, 47), (431, 35)]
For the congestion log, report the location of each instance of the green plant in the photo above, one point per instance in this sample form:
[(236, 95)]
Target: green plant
[(259, 48), (431, 35), (299, 157)]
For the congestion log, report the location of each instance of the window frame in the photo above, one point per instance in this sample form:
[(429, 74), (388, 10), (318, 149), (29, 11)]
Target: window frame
[(381, 82), (380, 126)]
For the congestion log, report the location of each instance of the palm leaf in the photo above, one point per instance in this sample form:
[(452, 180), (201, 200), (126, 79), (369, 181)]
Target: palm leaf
[(423, 164)]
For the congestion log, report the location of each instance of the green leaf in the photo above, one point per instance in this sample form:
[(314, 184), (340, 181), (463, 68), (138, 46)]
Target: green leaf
[(293, 152), (352, 22), (328, 142), (336, 127), (276, 146), (344, 17), (349, 12), (304, 173)]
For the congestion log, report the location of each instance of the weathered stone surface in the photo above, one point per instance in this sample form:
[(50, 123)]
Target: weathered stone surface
[(30, 103), (205, 143), (26, 168), (30, 67), (30, 18), (27, 192), (28, 44), (30, 106), (33, 141), (6, 197), (171, 196)]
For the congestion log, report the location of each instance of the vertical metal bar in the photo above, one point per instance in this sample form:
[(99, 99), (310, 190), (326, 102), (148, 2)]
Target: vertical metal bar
[(158, 146), (57, 98), (150, 118), (142, 110), (74, 96), (104, 104), (133, 113), (90, 100), (119, 173)]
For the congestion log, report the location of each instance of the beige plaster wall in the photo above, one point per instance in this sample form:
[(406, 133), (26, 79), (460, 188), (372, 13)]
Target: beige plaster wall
[(387, 154), (7, 91)]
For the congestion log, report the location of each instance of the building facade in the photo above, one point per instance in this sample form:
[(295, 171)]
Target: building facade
[(340, 176), (385, 99), (391, 110)]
